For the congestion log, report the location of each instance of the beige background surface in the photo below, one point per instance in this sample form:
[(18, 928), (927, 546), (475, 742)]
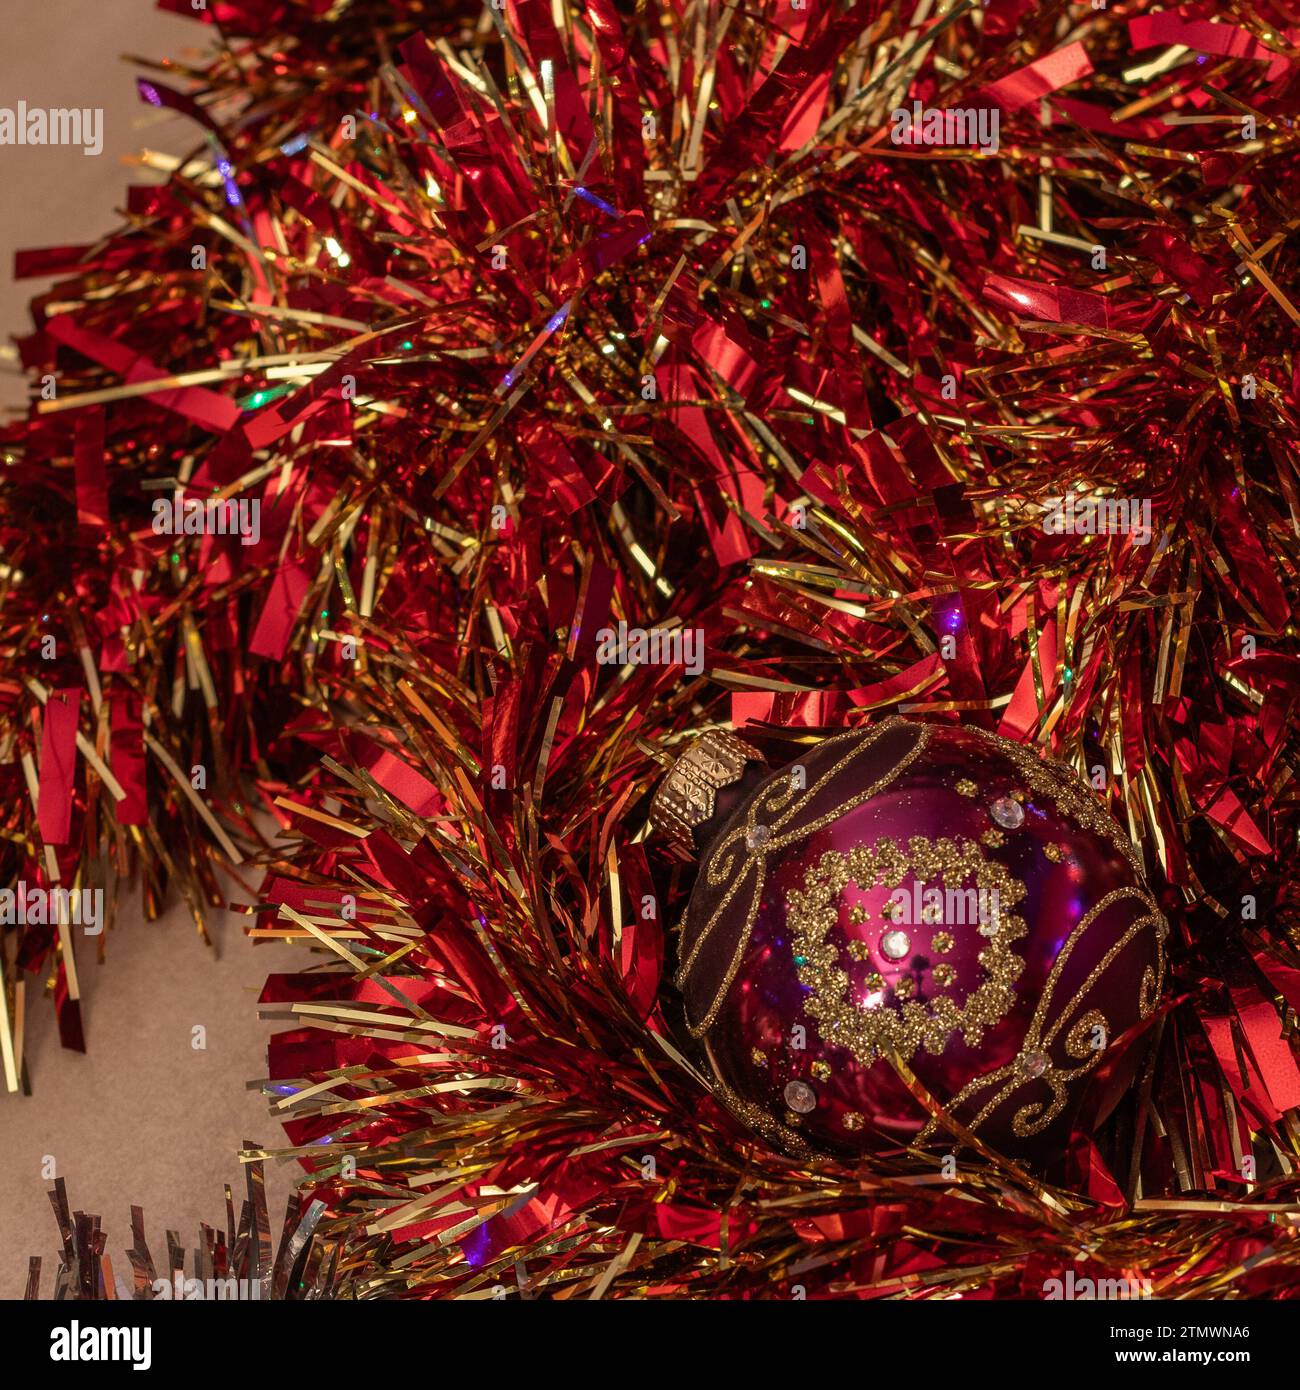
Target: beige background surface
[(57, 53), (143, 1117)]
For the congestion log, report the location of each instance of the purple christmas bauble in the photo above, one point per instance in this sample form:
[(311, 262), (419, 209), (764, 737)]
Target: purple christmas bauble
[(910, 919)]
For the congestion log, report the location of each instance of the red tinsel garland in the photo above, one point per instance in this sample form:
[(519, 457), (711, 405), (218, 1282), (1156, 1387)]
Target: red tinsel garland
[(643, 315), (141, 630)]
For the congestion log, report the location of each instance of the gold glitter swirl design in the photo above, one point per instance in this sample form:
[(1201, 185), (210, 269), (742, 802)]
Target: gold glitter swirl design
[(1148, 992), (870, 1033), (1082, 1038), (739, 858), (1060, 784), (758, 1119), (1033, 1117)]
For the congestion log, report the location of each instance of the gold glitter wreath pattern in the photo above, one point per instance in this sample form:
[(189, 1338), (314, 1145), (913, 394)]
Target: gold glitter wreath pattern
[(871, 1033), (739, 860)]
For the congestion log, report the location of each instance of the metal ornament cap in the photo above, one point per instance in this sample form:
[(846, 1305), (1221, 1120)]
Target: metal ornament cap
[(687, 797)]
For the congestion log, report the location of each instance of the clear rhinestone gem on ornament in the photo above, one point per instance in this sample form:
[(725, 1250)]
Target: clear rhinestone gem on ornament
[(800, 1097), (1009, 814), (1034, 1064), (895, 944), (757, 836)]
